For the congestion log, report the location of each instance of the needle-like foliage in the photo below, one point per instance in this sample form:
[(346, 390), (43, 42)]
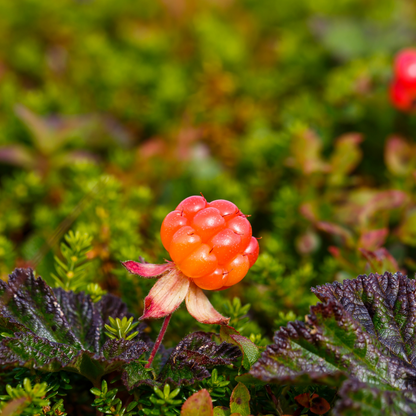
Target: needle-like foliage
[(120, 328), (72, 271)]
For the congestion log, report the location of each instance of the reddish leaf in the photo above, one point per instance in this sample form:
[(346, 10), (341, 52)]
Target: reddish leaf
[(407, 229), (15, 407), (306, 152), (308, 242), (336, 230), (308, 211), (303, 399), (398, 155), (346, 157), (380, 260), (199, 403), (374, 239), (319, 405), (382, 201), (17, 155), (335, 251)]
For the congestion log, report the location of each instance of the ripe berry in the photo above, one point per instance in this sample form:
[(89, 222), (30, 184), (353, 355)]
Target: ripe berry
[(211, 243), (405, 67), (403, 87), (402, 97)]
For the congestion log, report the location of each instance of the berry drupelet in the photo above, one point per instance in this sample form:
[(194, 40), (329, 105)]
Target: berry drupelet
[(211, 243)]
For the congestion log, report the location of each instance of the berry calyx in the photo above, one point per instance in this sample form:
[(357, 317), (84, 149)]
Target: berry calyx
[(211, 243)]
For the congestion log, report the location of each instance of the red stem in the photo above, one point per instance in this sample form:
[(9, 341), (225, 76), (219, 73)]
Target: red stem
[(158, 340)]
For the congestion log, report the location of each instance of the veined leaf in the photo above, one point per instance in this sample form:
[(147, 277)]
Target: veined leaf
[(249, 350), (54, 329), (364, 331), (188, 362), (192, 357), (370, 401), (240, 400)]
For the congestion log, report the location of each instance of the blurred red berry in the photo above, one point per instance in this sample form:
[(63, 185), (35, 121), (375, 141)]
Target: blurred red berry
[(405, 67), (211, 243), (401, 97), (403, 87)]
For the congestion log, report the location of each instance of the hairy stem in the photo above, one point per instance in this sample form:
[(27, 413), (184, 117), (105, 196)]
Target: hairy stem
[(158, 340)]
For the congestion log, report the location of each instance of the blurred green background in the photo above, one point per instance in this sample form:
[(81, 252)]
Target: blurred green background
[(112, 112)]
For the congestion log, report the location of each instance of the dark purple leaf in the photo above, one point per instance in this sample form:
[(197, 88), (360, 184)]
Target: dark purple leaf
[(52, 330), (358, 398), (364, 330), (192, 357)]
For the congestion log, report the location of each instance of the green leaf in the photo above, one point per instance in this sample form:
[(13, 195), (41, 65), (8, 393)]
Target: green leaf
[(249, 380), (240, 400), (250, 350), (359, 398), (95, 391), (54, 330), (221, 411), (199, 403), (131, 406), (193, 356), (134, 374), (365, 330)]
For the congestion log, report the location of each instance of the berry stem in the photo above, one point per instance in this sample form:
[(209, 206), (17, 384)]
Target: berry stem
[(158, 340)]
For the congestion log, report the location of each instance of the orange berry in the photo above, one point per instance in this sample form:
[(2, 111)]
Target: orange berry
[(213, 281), (184, 242), (226, 245), (237, 269), (242, 227), (200, 263), (252, 251), (208, 222), (191, 205), (172, 223), (210, 243), (227, 209)]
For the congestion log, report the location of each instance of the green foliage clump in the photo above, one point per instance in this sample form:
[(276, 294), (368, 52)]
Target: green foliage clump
[(72, 272), (111, 113), (107, 402), (120, 328), (25, 399), (162, 402)]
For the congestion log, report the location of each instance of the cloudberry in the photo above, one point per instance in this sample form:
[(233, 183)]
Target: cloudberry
[(405, 67), (401, 97), (403, 87), (211, 243)]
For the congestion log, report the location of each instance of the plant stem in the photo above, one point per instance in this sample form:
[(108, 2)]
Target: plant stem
[(275, 400), (158, 340)]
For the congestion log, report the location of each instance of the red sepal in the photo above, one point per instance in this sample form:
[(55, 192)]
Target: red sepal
[(147, 270)]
